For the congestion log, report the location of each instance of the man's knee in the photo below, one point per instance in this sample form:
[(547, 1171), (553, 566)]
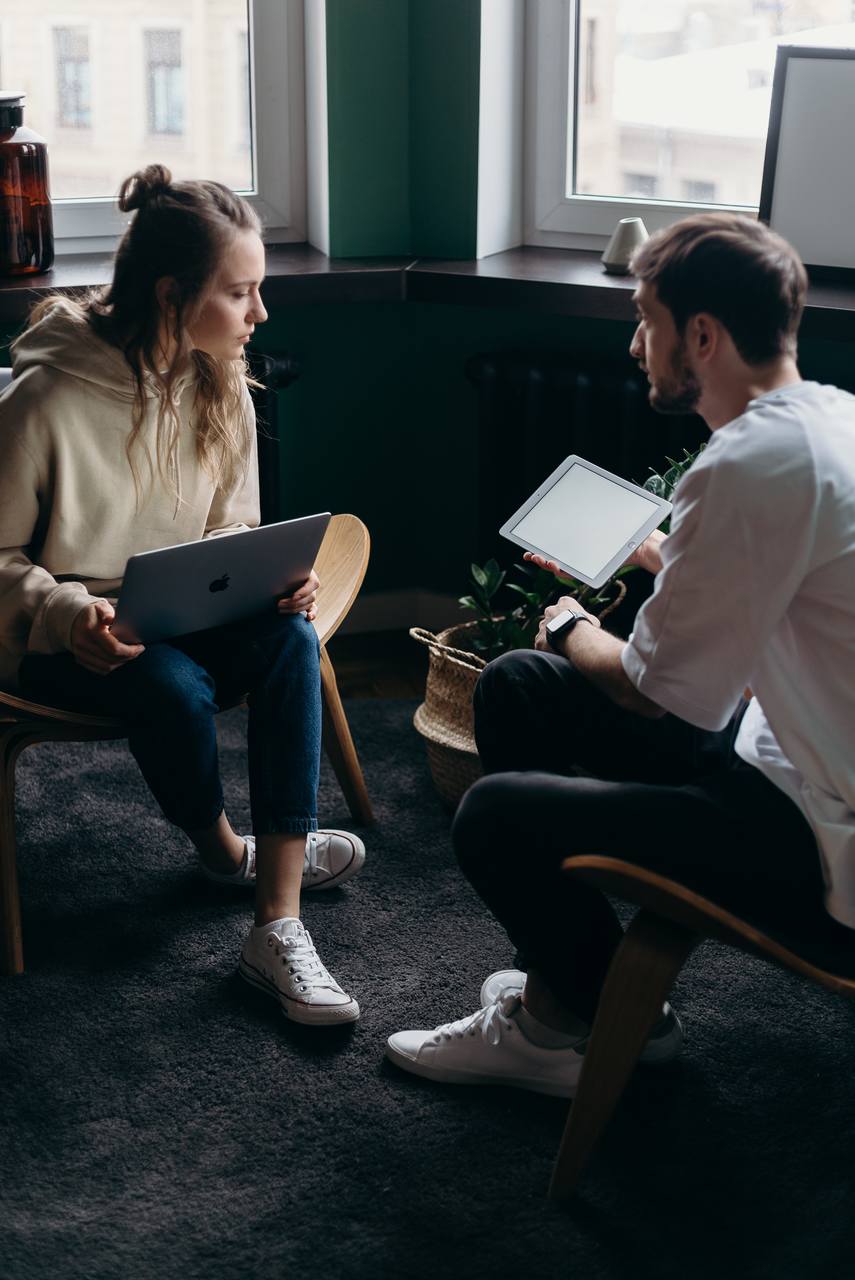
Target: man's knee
[(483, 827), (508, 671)]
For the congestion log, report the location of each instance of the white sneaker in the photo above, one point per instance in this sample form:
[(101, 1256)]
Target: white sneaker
[(331, 858), (664, 1042), (280, 958), (488, 1047)]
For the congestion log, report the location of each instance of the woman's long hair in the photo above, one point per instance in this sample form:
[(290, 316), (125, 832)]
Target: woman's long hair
[(179, 230)]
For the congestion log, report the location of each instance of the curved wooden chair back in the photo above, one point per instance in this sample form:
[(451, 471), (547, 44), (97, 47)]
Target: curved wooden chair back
[(341, 565), (672, 920)]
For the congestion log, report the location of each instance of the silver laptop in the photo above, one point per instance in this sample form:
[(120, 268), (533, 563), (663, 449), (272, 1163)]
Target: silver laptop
[(198, 585)]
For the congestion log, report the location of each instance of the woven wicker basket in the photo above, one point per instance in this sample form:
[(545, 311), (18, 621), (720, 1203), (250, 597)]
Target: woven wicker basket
[(445, 718)]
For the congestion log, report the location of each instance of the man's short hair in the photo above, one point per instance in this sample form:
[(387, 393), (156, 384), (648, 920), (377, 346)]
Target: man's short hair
[(735, 269)]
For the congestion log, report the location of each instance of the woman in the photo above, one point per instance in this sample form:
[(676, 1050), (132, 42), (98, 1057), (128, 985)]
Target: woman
[(128, 427)]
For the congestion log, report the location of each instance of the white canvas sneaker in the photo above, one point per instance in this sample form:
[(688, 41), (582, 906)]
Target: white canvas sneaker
[(488, 1047), (663, 1044), (331, 858), (280, 958)]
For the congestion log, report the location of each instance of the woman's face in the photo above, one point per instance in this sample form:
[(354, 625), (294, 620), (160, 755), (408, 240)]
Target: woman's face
[(233, 306)]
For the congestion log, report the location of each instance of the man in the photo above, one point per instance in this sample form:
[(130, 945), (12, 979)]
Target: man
[(647, 749)]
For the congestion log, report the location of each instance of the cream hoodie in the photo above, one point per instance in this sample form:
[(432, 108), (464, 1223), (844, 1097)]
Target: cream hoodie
[(68, 513)]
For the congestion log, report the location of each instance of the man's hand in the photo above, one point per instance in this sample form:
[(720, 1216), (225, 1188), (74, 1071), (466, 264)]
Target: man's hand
[(648, 555), (303, 598), (543, 563), (92, 643), (566, 602)]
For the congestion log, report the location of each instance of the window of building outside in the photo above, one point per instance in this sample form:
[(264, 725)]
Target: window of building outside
[(666, 98), (71, 53), (164, 82), (161, 81)]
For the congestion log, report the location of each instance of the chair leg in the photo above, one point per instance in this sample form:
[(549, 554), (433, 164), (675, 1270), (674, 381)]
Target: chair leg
[(339, 746), (11, 945), (642, 973)]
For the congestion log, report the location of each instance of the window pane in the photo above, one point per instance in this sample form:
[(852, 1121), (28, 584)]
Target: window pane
[(673, 95), (126, 84), (71, 50)]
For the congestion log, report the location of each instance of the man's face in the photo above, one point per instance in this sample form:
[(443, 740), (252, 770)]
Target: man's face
[(661, 352)]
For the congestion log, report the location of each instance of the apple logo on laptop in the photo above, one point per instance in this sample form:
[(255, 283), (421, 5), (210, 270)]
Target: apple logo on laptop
[(219, 584)]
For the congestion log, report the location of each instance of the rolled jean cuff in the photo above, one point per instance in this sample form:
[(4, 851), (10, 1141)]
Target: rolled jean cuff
[(287, 827)]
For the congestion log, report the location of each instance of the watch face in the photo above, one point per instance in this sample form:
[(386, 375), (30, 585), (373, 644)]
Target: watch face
[(564, 619)]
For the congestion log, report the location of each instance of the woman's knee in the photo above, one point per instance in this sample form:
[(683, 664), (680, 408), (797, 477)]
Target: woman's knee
[(164, 683)]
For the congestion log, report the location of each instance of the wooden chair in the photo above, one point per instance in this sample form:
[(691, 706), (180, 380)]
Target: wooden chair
[(672, 920), (341, 566)]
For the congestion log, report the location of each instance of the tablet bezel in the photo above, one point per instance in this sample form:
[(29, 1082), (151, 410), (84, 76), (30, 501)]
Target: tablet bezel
[(663, 510)]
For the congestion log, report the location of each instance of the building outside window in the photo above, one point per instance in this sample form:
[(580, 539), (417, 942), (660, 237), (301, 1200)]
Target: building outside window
[(699, 192), (164, 79), (73, 78), (645, 185), (678, 89)]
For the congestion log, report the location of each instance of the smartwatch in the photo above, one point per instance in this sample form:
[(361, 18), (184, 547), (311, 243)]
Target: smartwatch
[(564, 622)]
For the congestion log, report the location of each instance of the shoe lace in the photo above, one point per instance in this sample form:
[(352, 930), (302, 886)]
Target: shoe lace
[(316, 842), (492, 1021), (299, 954), (249, 845)]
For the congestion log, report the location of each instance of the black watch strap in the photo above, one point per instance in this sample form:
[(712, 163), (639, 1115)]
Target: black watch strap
[(561, 624)]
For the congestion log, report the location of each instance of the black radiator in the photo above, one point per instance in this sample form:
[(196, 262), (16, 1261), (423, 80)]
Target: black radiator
[(535, 408)]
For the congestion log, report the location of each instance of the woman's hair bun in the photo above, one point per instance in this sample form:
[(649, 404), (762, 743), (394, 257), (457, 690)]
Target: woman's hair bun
[(144, 186)]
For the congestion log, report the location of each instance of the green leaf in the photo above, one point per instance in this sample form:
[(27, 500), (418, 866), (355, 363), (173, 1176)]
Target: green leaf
[(478, 575), (467, 602)]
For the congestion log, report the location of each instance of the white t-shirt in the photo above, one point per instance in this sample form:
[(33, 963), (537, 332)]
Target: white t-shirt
[(758, 589)]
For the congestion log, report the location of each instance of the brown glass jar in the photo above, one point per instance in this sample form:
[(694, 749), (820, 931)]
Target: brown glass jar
[(26, 225)]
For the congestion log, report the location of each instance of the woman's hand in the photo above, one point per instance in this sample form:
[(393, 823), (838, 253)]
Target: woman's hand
[(302, 599), (92, 643)]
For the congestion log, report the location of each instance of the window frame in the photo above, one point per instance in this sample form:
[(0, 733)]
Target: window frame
[(551, 216), (278, 132)]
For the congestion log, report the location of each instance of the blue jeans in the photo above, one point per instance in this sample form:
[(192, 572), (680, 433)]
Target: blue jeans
[(169, 696)]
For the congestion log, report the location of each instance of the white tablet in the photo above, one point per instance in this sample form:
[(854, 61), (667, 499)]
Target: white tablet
[(586, 519)]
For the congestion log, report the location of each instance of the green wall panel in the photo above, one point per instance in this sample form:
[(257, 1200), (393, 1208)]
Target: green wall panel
[(445, 40), (368, 116), (383, 422), (402, 98)]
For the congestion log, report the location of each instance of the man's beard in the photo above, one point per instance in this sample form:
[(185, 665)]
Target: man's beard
[(681, 392)]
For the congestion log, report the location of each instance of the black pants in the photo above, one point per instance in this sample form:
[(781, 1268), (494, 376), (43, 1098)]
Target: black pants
[(570, 772)]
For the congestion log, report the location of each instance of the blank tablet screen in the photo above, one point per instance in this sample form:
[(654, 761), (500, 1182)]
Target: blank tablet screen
[(585, 519)]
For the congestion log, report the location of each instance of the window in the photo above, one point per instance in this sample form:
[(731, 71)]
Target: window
[(71, 53), (664, 101), (644, 185), (212, 89), (700, 192), (164, 82)]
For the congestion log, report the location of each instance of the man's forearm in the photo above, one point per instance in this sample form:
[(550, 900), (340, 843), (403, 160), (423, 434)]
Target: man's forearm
[(596, 654)]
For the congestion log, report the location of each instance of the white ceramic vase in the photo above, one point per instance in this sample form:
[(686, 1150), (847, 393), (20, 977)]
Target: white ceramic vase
[(626, 238)]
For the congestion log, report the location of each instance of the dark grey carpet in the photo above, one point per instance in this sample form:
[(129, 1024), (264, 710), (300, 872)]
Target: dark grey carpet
[(161, 1119)]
